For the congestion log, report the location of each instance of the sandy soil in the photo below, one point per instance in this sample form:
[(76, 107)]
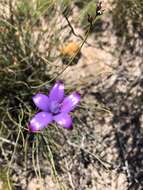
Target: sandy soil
[(110, 80)]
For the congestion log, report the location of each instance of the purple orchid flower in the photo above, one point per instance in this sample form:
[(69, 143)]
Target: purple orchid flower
[(55, 107)]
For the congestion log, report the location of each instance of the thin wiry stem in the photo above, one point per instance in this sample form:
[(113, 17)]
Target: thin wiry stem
[(72, 29), (37, 159), (10, 163), (94, 108), (105, 164), (7, 141), (64, 69), (26, 152), (33, 158), (52, 163)]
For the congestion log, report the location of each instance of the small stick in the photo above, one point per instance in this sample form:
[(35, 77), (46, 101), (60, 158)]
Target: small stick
[(7, 141)]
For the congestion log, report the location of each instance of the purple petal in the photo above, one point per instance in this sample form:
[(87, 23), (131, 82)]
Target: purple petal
[(39, 121), (64, 120), (57, 92), (41, 101), (70, 102)]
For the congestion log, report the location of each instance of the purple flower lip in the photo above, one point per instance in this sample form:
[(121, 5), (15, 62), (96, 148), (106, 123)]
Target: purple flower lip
[(54, 108)]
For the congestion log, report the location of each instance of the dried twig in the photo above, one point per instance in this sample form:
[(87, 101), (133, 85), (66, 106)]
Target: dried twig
[(72, 29), (7, 141), (105, 164)]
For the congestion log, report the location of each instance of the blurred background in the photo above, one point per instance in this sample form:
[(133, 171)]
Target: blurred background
[(96, 49)]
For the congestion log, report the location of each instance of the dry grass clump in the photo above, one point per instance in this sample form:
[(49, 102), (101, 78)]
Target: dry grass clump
[(22, 71), (27, 50), (25, 70)]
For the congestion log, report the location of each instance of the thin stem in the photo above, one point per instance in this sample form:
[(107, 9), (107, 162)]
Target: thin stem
[(10, 163)]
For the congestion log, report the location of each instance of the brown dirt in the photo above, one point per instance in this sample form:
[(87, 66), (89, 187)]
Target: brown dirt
[(109, 154)]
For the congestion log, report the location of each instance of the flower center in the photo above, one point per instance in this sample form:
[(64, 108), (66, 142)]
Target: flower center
[(55, 107)]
